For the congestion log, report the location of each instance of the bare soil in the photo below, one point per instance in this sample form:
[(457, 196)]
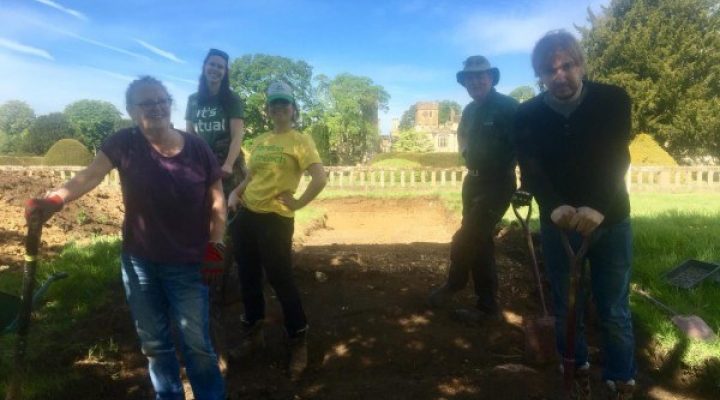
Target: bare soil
[(364, 273)]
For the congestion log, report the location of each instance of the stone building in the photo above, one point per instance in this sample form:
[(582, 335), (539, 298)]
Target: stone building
[(427, 120)]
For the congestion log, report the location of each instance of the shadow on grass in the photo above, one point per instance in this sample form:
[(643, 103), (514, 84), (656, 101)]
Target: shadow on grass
[(672, 359), (81, 343)]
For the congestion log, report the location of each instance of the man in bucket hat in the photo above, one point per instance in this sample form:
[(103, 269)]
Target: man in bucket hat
[(484, 136)]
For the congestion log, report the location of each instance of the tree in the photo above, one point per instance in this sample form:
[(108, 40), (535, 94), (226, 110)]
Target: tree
[(351, 116), (447, 110), (250, 76), (412, 141), (15, 117), (94, 120), (666, 54), (127, 123), (522, 93), (45, 131), (407, 121)]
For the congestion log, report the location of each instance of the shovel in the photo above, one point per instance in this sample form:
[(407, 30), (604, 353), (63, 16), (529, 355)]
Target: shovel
[(32, 244), (577, 275), (691, 325), (539, 332)]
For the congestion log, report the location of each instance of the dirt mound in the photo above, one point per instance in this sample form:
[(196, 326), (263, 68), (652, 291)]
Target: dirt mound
[(100, 212)]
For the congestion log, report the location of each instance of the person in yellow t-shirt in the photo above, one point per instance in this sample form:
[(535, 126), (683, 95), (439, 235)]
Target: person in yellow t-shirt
[(264, 225)]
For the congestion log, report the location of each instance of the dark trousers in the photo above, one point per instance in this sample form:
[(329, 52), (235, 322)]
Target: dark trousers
[(263, 246), (472, 250)]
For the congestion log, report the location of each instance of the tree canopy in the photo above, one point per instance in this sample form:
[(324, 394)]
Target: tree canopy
[(407, 120), (45, 131), (350, 107), (448, 108), (522, 93), (250, 76), (666, 54), (412, 141), (94, 120), (15, 117)]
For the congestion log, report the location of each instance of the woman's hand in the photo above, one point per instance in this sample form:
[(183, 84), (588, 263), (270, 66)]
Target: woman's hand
[(235, 198), (287, 199), (227, 171)]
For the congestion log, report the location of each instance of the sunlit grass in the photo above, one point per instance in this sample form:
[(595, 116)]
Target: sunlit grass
[(92, 267), (667, 229)]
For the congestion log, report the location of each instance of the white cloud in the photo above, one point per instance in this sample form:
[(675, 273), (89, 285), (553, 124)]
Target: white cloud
[(103, 45), (70, 11), (122, 77), (162, 53), (21, 48)]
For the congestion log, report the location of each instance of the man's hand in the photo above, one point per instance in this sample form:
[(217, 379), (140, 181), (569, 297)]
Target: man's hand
[(287, 199), (562, 216), (521, 198), (212, 267), (586, 220), (45, 206)]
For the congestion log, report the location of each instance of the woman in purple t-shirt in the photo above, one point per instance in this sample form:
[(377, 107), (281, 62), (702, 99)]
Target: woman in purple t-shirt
[(174, 213)]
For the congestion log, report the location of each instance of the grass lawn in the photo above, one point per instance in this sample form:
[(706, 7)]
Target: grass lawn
[(92, 267), (668, 229)]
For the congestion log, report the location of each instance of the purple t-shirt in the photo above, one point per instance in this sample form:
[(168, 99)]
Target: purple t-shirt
[(167, 207)]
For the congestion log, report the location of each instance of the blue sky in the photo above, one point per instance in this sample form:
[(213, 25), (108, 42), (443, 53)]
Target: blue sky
[(54, 52)]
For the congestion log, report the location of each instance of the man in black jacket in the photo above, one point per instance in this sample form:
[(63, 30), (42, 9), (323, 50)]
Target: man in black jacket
[(485, 139), (572, 143)]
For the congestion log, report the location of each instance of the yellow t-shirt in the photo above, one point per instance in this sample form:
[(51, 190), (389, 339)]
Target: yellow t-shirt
[(277, 161)]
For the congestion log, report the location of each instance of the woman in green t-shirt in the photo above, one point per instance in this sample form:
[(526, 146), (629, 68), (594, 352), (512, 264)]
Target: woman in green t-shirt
[(216, 114), (263, 229)]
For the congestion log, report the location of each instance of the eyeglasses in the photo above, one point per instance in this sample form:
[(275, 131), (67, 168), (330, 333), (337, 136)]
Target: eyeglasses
[(564, 67), (148, 105)]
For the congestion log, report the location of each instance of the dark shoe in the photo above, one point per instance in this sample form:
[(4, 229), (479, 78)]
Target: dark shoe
[(252, 339), (476, 316), (619, 390), (581, 385), (298, 357), (440, 297)]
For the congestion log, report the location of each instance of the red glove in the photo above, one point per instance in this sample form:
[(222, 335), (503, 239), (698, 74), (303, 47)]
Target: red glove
[(213, 261), (46, 207), (214, 252)]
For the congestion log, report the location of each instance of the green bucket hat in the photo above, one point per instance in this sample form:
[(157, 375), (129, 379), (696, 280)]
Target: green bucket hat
[(474, 64)]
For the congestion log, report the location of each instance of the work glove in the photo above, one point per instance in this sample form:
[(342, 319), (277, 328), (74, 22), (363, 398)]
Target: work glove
[(45, 207), (521, 198), (212, 267)]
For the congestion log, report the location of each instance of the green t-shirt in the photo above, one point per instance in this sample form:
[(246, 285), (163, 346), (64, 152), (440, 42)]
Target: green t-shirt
[(277, 161), (212, 123)]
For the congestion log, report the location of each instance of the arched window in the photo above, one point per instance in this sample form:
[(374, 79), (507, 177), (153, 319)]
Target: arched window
[(442, 141)]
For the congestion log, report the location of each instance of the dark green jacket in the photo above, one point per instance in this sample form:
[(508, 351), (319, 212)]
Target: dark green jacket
[(486, 131)]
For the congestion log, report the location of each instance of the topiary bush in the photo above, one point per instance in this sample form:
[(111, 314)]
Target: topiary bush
[(21, 160), (68, 152), (398, 163), (432, 160), (644, 150)]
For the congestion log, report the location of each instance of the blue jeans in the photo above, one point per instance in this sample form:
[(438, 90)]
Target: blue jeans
[(610, 257), (157, 294)]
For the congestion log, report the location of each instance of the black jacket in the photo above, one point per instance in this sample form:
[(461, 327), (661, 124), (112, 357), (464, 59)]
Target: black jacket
[(580, 160), (487, 131)]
